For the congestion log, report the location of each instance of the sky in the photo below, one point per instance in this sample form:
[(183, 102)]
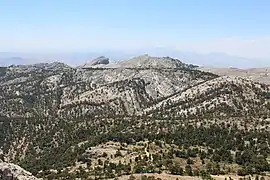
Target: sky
[(238, 28)]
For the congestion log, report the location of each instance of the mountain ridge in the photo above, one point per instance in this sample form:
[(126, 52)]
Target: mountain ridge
[(89, 88), (102, 122), (75, 59), (256, 74)]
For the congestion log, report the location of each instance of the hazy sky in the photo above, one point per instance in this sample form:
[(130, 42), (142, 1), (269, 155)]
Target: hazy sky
[(235, 27)]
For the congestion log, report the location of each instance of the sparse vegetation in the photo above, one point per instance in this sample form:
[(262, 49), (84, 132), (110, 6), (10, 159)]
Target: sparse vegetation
[(65, 123)]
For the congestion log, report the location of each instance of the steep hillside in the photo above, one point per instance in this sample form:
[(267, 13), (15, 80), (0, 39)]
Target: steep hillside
[(28, 91), (224, 96), (145, 115), (40, 90)]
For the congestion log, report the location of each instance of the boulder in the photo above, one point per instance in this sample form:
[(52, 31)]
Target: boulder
[(9, 171)]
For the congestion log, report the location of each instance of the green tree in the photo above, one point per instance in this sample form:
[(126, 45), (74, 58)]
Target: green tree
[(176, 170), (189, 161), (188, 170)]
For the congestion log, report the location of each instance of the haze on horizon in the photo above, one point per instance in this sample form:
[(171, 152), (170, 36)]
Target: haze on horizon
[(235, 28)]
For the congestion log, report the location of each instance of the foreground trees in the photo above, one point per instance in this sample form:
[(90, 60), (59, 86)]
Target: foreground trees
[(211, 146)]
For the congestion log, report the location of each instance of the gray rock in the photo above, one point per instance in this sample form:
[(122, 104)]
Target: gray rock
[(146, 61), (9, 171), (102, 60), (133, 87)]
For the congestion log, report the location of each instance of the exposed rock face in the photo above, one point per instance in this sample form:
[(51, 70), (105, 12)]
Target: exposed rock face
[(69, 93), (137, 87), (98, 61), (51, 113), (146, 61), (9, 171)]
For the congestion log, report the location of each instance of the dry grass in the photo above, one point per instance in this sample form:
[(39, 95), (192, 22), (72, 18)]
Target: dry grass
[(174, 177), (161, 176)]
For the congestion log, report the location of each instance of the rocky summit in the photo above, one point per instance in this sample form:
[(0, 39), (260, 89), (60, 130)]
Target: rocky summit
[(146, 61), (138, 86), (97, 61), (142, 115)]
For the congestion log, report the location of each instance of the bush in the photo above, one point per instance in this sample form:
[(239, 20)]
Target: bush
[(242, 172), (176, 170), (189, 161)]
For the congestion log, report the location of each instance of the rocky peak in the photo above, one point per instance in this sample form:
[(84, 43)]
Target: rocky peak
[(101, 60), (146, 61)]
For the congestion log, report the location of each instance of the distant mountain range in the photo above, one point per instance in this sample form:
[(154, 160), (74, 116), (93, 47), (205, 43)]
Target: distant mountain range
[(75, 59)]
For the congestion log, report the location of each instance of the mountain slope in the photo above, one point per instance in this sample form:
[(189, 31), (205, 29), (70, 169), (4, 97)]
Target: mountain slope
[(14, 172), (261, 75), (223, 96), (63, 91), (146, 116)]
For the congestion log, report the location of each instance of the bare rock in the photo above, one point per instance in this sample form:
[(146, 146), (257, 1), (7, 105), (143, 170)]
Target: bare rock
[(9, 171), (102, 60), (146, 61)]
